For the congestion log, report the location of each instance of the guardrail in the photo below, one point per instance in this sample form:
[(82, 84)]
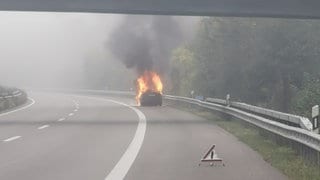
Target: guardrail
[(10, 98), (304, 141), (290, 119)]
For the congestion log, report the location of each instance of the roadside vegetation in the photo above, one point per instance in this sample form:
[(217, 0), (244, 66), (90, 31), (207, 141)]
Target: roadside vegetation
[(273, 63), (279, 156)]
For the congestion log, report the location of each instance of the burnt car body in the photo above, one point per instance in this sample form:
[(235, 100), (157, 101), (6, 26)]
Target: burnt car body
[(151, 98)]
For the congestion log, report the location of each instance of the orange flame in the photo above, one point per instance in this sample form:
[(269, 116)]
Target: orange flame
[(148, 81)]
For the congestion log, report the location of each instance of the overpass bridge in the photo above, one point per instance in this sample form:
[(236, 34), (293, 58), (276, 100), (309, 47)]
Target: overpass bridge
[(239, 8)]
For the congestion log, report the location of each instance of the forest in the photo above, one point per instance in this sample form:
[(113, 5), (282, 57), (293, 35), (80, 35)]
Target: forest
[(272, 63)]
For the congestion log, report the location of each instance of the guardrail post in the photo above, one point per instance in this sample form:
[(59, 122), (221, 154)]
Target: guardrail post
[(228, 100), (315, 118), (318, 158)]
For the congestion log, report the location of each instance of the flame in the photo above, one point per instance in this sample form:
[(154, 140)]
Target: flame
[(148, 81)]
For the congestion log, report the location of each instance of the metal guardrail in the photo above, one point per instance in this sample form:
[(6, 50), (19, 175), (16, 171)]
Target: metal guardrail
[(306, 140), (295, 134), (11, 97), (300, 121), (7, 95)]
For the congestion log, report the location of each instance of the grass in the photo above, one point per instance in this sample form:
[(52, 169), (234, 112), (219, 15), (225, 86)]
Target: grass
[(281, 157)]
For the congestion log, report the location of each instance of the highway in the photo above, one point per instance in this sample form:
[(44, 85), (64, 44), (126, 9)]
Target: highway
[(70, 136)]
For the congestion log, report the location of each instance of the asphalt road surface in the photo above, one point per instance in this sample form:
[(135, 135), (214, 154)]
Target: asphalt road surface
[(68, 136)]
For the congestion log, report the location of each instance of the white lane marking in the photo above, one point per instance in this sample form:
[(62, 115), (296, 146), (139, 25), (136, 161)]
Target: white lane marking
[(44, 126), (75, 110), (122, 167), (12, 138), (61, 119), (24, 107), (71, 114), (16, 95), (16, 91), (75, 103)]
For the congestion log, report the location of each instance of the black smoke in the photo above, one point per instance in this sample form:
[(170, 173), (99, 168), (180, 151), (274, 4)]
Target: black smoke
[(145, 42)]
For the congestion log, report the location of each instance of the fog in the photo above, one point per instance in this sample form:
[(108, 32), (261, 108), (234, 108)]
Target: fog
[(46, 49), (57, 50)]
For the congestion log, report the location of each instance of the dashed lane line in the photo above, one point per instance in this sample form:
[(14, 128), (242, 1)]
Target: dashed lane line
[(61, 119), (44, 126), (12, 138)]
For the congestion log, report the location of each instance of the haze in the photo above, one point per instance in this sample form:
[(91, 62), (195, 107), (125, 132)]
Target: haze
[(53, 50)]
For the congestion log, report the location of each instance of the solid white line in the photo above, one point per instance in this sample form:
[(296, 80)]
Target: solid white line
[(122, 167), (16, 95), (16, 91), (24, 107), (12, 138), (61, 119), (71, 114), (42, 127)]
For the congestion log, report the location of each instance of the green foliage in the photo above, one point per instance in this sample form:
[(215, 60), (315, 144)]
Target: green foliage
[(182, 65), (258, 61), (307, 97)]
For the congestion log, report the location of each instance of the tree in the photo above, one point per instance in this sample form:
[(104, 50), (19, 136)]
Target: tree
[(257, 60)]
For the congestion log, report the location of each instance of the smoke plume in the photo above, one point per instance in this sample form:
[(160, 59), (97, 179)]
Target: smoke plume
[(145, 42)]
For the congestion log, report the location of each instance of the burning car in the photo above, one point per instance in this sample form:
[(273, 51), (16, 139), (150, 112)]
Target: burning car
[(149, 89), (151, 98)]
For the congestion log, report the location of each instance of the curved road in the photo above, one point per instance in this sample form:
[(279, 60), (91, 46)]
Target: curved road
[(65, 136)]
